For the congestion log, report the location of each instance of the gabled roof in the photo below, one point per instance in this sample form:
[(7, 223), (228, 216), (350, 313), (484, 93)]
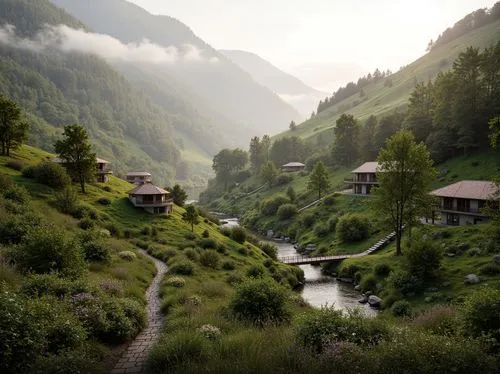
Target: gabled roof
[(477, 190), (101, 161), (367, 167), (293, 164), (148, 189), (58, 160), (138, 174)]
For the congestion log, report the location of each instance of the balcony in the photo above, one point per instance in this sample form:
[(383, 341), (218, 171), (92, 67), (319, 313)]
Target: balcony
[(472, 211), (352, 181)]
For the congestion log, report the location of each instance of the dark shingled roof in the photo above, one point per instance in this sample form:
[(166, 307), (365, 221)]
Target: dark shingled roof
[(478, 190), (148, 189)]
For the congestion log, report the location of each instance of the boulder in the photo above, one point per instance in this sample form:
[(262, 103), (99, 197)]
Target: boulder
[(375, 301), (496, 258), (363, 300), (428, 299), (269, 233), (357, 288), (471, 279)]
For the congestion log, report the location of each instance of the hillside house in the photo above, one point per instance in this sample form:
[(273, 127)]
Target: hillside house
[(363, 178), (103, 170), (138, 177), (292, 166), (151, 198), (462, 203)]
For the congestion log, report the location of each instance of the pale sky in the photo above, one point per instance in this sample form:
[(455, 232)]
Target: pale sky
[(290, 33)]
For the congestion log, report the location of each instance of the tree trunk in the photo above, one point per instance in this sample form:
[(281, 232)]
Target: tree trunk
[(398, 242), (7, 153)]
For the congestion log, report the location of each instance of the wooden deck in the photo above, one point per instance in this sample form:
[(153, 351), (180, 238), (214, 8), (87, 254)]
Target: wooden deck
[(304, 260)]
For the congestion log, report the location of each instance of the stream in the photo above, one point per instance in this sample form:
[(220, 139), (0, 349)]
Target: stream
[(320, 289)]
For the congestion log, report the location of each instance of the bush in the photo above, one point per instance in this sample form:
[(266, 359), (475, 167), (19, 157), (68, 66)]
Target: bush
[(369, 283), (382, 270), (243, 251), (210, 259), (269, 249), (320, 327), (52, 175), (182, 268), (15, 164), (192, 254), (271, 205), (287, 211), (38, 285), (480, 313), (238, 234), (209, 332), (353, 227), (190, 236), (96, 251), (176, 282), (6, 182), (82, 211), (29, 172), (348, 270), (228, 265), (490, 269), (405, 282), (46, 249), (127, 256), (308, 220), (205, 234), (256, 271), (104, 201), (401, 308), (17, 194), (226, 231), (283, 179), (441, 320), (260, 301), (86, 223), (332, 223), (321, 229), (207, 243), (424, 258)]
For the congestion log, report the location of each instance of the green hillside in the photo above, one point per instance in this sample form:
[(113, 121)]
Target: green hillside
[(379, 99)]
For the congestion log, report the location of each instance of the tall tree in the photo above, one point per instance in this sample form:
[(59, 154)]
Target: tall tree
[(13, 131), (255, 153), (76, 153), (405, 174), (319, 180), (179, 195), (494, 124), (293, 126), (269, 173), (191, 216), (228, 161), (265, 145), (367, 145), (288, 149), (346, 145), (387, 126), (419, 117)]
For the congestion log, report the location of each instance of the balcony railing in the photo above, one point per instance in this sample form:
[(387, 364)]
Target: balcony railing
[(352, 181), (461, 209)]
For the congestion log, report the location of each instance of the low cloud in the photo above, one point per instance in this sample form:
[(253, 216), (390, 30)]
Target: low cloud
[(67, 39)]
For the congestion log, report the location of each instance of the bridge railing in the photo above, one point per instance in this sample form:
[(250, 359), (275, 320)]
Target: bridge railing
[(312, 259)]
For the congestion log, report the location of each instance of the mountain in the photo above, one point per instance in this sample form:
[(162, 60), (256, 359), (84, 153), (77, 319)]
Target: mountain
[(56, 87), (289, 88), (386, 95), (203, 72)]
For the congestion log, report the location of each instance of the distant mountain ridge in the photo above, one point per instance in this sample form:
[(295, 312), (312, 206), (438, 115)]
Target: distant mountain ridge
[(222, 85)]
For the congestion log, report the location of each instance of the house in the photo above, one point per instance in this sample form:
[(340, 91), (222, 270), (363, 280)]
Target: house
[(103, 171), (292, 166), (363, 178), (152, 199), (138, 177), (462, 203)]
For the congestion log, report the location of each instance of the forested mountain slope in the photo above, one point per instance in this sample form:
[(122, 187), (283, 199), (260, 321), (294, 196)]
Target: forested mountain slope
[(57, 88), (206, 73), (386, 95), (289, 88)]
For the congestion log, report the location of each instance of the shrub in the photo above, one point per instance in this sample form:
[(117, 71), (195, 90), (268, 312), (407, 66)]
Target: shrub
[(424, 258), (287, 211), (52, 175), (401, 308), (441, 320), (405, 282), (14, 228), (46, 249), (321, 229), (353, 227), (6, 182), (209, 332), (29, 172), (283, 179), (38, 285), (111, 287), (243, 251), (490, 269), (104, 201), (269, 249), (382, 270), (176, 282), (81, 211), (255, 271), (260, 301), (190, 236), (238, 234), (182, 268), (480, 313), (207, 243), (308, 220), (205, 234), (290, 192), (192, 254), (86, 223), (96, 251), (320, 327), (66, 200), (146, 230), (329, 200), (369, 283), (332, 223), (143, 245), (348, 270), (127, 256), (17, 194), (228, 265), (15, 164), (226, 231), (271, 205), (210, 259)]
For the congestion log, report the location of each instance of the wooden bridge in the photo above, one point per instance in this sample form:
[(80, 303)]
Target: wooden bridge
[(303, 260)]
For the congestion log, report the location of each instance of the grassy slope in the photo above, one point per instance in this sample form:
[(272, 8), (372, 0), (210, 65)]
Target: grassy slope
[(380, 100)]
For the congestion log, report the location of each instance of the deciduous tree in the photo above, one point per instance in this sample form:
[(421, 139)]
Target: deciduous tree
[(191, 216), (346, 144), (269, 173), (76, 153), (319, 180), (405, 174), (179, 195), (228, 161), (13, 131)]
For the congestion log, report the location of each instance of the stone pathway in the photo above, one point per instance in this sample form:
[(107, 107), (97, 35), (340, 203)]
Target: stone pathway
[(134, 358)]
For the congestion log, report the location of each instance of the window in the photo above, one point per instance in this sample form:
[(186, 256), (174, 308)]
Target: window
[(452, 219)]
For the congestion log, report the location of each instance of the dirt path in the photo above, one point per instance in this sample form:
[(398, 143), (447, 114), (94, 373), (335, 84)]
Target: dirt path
[(134, 358)]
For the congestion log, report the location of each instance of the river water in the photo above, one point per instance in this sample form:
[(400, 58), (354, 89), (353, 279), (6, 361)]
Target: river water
[(319, 289)]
